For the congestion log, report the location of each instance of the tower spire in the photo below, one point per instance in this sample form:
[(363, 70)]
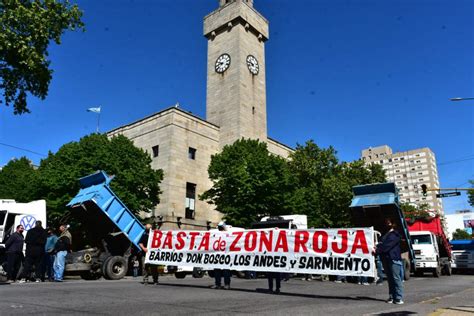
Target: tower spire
[(224, 2)]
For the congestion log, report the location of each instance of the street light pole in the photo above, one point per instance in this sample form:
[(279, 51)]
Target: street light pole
[(461, 99)]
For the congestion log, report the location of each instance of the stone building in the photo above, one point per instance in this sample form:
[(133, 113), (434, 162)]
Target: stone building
[(182, 144), (409, 170)]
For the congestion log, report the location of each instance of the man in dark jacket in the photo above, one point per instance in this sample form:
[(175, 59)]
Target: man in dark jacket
[(148, 269), (35, 241), (390, 254), (14, 247)]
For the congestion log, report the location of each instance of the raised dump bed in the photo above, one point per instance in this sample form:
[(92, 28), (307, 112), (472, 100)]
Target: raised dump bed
[(112, 227), (372, 204)]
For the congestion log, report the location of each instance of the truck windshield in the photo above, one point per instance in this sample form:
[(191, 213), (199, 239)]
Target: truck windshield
[(463, 247), (421, 240), (2, 217)]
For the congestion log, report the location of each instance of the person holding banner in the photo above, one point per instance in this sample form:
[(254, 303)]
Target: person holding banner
[(390, 254), (277, 277), (219, 273), (147, 268)]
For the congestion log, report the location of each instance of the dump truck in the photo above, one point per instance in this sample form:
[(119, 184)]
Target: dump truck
[(113, 230), (12, 214), (371, 205), (431, 247)]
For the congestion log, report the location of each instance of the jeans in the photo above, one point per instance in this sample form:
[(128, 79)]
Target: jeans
[(218, 273), (380, 273), (393, 271), (59, 264)]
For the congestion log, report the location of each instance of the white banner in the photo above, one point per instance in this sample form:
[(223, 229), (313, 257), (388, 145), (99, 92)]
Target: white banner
[(344, 251)]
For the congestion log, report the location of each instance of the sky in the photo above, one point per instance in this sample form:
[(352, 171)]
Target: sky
[(347, 74)]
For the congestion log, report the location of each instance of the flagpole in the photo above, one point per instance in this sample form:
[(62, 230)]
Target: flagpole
[(98, 122)]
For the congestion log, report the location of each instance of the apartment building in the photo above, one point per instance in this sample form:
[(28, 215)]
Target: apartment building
[(409, 170)]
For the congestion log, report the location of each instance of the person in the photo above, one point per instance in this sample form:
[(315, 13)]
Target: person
[(274, 276), (147, 268), (35, 241), (389, 251), (340, 279), (380, 274), (219, 273), (136, 265), (61, 248), (14, 251), (362, 280), (49, 256)]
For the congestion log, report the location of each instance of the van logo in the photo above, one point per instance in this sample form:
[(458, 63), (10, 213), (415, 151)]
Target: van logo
[(28, 222)]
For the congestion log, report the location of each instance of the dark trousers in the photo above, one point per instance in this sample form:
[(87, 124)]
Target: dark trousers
[(47, 266), (219, 273), (33, 263), (149, 269), (277, 277), (13, 264)]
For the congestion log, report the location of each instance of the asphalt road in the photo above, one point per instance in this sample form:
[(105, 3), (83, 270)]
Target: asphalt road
[(193, 297)]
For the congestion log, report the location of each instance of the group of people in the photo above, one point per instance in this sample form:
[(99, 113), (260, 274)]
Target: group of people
[(45, 254)]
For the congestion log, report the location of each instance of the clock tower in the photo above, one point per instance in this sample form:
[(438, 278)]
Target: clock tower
[(236, 91)]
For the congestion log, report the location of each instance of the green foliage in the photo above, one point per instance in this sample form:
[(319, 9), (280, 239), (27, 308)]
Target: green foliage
[(249, 183), (26, 29), (470, 193), (412, 212), (325, 185), (460, 234), (18, 180), (135, 182)]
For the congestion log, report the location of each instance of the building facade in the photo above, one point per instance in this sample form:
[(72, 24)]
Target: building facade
[(409, 170), (181, 144), (463, 219)]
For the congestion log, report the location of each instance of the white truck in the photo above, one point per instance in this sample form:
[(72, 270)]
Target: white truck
[(13, 214)]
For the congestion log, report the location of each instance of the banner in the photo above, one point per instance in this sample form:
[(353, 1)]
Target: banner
[(344, 251)]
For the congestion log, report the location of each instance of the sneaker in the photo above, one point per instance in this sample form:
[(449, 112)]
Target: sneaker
[(22, 281), (227, 287), (379, 283), (398, 302), (389, 301), (37, 281), (214, 286), (365, 283), (338, 281)]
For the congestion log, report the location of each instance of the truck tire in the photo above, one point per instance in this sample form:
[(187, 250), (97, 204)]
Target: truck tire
[(180, 275), (104, 268), (198, 273), (406, 266), (240, 274), (116, 267), (437, 272)]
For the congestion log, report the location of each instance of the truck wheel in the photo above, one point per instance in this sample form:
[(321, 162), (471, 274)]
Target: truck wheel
[(104, 268), (180, 275), (116, 267), (240, 274), (406, 266), (419, 273), (437, 272), (198, 273)]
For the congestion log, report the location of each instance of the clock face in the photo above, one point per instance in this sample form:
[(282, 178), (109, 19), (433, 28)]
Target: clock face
[(222, 63), (252, 64)]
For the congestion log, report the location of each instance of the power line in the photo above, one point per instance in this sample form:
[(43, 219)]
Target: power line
[(455, 161), (24, 149)]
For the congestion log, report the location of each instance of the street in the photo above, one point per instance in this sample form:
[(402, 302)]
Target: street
[(192, 296)]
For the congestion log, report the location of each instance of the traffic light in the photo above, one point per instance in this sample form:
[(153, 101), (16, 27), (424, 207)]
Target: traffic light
[(424, 189)]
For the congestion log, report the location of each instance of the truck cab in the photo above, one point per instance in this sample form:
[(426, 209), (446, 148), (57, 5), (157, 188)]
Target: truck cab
[(463, 255), (426, 250)]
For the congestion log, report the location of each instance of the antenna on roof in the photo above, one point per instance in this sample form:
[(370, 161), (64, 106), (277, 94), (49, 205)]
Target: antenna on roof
[(176, 105)]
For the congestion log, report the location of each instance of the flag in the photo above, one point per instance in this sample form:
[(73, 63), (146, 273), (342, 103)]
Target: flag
[(94, 110)]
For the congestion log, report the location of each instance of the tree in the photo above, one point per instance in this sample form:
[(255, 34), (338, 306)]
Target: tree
[(135, 183), (26, 29), (461, 234), (324, 188), (249, 183), (17, 180), (470, 193), (412, 212)]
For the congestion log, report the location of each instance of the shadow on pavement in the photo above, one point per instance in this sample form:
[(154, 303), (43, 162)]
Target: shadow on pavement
[(397, 313), (265, 291)]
